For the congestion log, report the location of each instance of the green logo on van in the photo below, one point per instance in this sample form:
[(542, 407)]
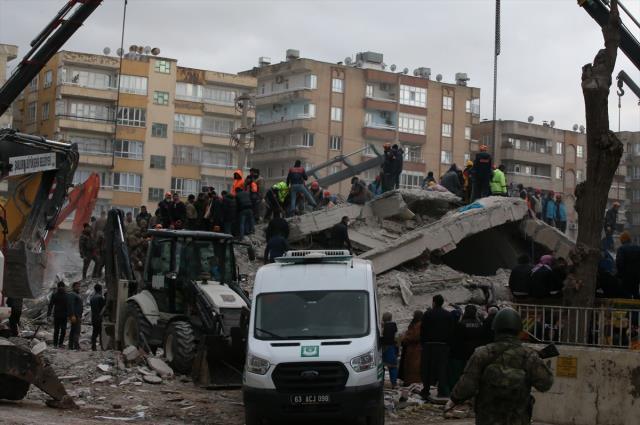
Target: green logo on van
[(310, 351)]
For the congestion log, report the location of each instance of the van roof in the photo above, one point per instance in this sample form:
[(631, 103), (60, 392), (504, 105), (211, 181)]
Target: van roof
[(355, 274)]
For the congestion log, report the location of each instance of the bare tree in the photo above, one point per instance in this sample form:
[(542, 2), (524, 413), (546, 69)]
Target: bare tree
[(603, 156)]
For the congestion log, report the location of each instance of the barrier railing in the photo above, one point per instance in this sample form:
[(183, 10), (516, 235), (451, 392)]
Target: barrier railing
[(599, 326)]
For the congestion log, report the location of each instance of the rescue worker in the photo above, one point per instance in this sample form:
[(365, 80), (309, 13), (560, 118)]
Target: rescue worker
[(97, 303), (359, 193), (468, 335), (628, 265), (245, 213), (340, 235), (498, 182), (58, 305), (549, 210), (398, 161), (229, 213), (75, 316), (429, 179), (482, 167), (295, 180), (251, 186), (561, 214), (238, 181), (274, 200), (316, 192), (451, 181), (388, 167), (276, 246), (328, 200), (467, 175), (500, 376), (86, 247), (375, 187)]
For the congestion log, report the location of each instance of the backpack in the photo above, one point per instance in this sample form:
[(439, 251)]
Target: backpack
[(505, 384)]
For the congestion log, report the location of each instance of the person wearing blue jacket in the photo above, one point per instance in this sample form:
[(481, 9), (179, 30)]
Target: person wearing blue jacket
[(549, 213), (561, 214)]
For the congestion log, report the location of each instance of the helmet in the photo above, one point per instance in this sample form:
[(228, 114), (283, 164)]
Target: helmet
[(616, 204), (326, 193), (469, 163), (507, 321), (387, 146), (315, 185), (483, 148)]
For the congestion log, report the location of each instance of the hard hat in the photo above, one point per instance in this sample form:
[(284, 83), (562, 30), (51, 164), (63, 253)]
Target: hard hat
[(616, 204), (507, 321), (326, 193), (315, 185), (469, 163), (625, 237), (387, 146), (483, 148)]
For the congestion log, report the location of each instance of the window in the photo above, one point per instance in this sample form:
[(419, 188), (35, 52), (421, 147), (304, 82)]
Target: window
[(92, 145), (412, 153), (133, 84), (129, 149), (446, 130), (309, 110), (413, 124), (45, 111), (308, 139), (32, 110), (218, 183), (559, 148), (369, 90), (337, 85), (158, 161), (467, 157), (580, 151), (33, 84), (217, 126), (163, 67), (127, 182), (188, 91), (186, 155), (96, 80), (579, 176), (87, 111), (48, 79), (220, 95), (156, 194), (161, 97), (336, 113), (184, 187), (447, 103), (413, 96), (559, 173), (187, 123), (216, 158), (410, 180), (134, 117), (472, 106), (335, 143), (446, 157), (467, 133), (159, 130), (311, 81)]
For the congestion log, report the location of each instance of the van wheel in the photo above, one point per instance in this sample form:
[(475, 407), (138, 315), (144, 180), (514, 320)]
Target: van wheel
[(378, 416), (180, 346), (252, 417)]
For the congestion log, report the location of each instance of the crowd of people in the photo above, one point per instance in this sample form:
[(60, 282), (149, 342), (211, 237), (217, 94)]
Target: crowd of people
[(441, 348)]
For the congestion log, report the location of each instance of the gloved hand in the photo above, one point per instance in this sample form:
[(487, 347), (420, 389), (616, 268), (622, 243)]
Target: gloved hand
[(450, 405)]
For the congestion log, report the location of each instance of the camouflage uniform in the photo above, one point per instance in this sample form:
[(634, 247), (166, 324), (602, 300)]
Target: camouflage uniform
[(489, 409)]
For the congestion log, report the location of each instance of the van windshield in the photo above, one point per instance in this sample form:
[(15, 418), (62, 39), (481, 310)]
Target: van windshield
[(312, 315)]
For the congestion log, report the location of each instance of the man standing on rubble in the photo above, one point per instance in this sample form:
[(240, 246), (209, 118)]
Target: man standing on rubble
[(58, 304), (436, 334), (295, 180), (500, 376), (97, 303), (340, 235), (86, 246), (483, 171), (75, 316)]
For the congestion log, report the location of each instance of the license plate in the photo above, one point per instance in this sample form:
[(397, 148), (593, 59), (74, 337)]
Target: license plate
[(302, 399)]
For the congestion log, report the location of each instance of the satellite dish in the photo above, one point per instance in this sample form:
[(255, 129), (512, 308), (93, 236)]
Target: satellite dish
[(133, 48), (106, 50), (582, 129), (147, 50), (415, 72), (552, 123), (359, 63), (392, 68), (140, 50), (119, 52), (530, 119), (155, 51), (439, 77), (575, 127), (405, 71), (348, 60)]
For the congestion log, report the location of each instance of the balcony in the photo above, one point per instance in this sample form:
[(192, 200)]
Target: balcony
[(210, 138), (375, 75), (531, 180), (299, 122), (295, 94), (284, 154), (79, 91), (105, 192), (103, 159), (387, 134), (219, 109), (85, 124), (509, 152), (380, 104)]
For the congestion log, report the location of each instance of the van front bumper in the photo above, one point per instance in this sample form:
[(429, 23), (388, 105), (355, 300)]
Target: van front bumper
[(350, 402)]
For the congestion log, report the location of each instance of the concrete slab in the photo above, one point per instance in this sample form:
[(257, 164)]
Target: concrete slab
[(445, 233), (547, 236)]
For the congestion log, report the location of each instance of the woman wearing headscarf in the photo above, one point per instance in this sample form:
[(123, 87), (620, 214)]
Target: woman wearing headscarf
[(411, 352)]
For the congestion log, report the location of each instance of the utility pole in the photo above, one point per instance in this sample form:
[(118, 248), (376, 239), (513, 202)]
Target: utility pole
[(496, 53), (243, 102)]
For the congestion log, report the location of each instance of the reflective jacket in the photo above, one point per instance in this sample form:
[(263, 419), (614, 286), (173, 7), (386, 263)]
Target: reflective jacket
[(237, 182), (498, 183)]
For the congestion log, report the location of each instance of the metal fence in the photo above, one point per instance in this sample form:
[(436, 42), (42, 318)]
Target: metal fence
[(599, 326)]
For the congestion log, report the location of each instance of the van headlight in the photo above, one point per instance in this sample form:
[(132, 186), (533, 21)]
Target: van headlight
[(257, 365), (364, 362)]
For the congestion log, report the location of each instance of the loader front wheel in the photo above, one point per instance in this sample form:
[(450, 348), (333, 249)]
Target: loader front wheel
[(180, 346), (136, 329), (12, 388)]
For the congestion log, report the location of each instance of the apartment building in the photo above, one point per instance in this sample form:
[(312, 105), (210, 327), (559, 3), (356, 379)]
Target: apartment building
[(631, 141), (166, 128), (8, 53), (313, 111), (543, 157)]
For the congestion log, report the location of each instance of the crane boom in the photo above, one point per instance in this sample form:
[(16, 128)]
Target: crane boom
[(623, 78), (44, 46)]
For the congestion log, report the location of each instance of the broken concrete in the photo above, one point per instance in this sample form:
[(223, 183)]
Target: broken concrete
[(547, 236), (152, 379), (430, 203), (444, 234), (131, 354), (163, 369)]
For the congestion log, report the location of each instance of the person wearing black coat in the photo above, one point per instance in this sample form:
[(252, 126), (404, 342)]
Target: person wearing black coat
[(58, 304), (340, 235), (229, 212), (451, 181), (520, 278), (97, 303), (436, 335), (245, 212), (468, 335), (164, 207)]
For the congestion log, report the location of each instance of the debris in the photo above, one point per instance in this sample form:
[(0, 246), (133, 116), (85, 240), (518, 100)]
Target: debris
[(152, 379), (146, 371), (405, 289), (104, 368), (39, 348), (131, 354), (138, 415), (103, 378), (163, 369)]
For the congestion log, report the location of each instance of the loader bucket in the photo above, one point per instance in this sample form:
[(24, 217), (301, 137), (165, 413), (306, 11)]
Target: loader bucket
[(24, 271), (20, 368), (217, 365)]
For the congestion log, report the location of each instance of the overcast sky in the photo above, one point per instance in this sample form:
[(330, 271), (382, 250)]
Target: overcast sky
[(544, 42)]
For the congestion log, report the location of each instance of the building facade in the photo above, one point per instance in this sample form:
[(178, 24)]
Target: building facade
[(543, 157), (8, 53), (314, 111), (631, 142), (166, 128)]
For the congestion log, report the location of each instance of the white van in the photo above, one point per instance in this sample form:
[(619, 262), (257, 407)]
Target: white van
[(313, 344)]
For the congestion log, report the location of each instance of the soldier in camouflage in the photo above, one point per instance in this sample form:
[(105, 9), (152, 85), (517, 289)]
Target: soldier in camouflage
[(500, 376)]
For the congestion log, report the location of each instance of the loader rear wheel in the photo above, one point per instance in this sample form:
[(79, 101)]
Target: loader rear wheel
[(180, 346), (136, 328), (12, 388)]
